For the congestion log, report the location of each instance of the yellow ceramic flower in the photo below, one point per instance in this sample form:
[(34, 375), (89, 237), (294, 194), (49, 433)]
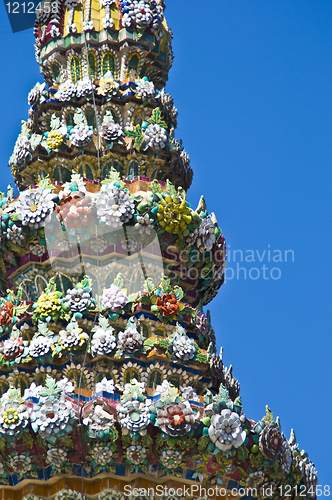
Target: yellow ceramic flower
[(54, 139), (174, 214), (48, 304), (106, 86), (10, 416)]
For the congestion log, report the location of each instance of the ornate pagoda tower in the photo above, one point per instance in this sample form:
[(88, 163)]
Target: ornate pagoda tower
[(110, 383)]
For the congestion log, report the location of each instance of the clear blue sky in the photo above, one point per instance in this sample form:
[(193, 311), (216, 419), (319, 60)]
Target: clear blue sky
[(252, 81)]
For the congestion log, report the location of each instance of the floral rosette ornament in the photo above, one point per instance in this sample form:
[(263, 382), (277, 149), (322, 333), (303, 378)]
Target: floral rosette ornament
[(206, 235), (53, 416), (54, 139), (165, 300), (111, 132), (175, 419), (14, 349), (172, 210), (103, 340), (115, 297), (76, 211), (14, 415), (133, 413), (56, 457), (144, 89), (79, 299), (274, 446), (107, 86), (42, 342), (171, 459), (181, 346), (226, 430), (72, 337), (101, 454), (136, 455), (35, 206), (66, 92), (80, 135), (114, 205), (49, 305), (21, 464), (130, 340), (22, 151)]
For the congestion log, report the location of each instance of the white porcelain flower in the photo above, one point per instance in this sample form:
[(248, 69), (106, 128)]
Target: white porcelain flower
[(226, 431), (155, 136), (144, 224), (72, 337), (105, 386), (14, 415), (133, 415), (184, 347), (84, 87), (101, 454), (206, 237), (111, 131), (114, 298), (51, 416), (103, 342), (37, 249), (80, 135), (115, 206), (144, 89), (34, 207), (40, 346), (21, 464), (56, 456), (22, 150), (15, 234), (66, 92)]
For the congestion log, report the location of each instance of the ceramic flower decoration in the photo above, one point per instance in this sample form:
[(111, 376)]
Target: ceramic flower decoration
[(66, 92), (103, 340), (130, 340), (81, 135), (14, 415), (136, 455), (226, 430), (173, 212), (181, 346), (111, 131), (54, 139), (175, 419), (107, 86), (144, 89), (72, 337), (34, 207), (206, 237), (171, 459), (155, 137), (114, 205), (53, 416)]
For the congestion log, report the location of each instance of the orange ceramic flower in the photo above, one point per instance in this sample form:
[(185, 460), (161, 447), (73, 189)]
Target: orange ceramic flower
[(167, 304), (6, 313), (76, 210)]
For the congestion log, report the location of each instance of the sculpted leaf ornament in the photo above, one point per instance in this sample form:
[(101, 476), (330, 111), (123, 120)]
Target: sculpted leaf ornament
[(137, 135)]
